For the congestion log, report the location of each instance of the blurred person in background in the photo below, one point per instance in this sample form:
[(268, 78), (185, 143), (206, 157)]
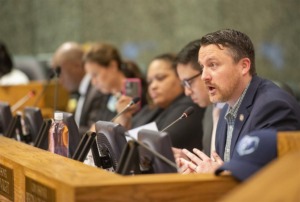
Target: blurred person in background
[(8, 74), (189, 72), (168, 103), (109, 72), (86, 102)]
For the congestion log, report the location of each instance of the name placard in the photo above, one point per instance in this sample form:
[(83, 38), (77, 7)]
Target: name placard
[(35, 191), (6, 182)]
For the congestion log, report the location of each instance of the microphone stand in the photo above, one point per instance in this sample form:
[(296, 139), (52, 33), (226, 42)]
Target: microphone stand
[(112, 120), (132, 102), (185, 114), (172, 123), (57, 73), (22, 101), (45, 87)]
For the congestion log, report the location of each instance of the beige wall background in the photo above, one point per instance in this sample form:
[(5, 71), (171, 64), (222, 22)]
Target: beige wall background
[(144, 29)]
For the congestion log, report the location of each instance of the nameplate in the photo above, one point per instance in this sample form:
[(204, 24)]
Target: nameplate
[(6, 182), (37, 192)]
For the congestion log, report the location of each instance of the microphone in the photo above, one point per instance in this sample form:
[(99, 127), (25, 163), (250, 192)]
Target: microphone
[(23, 100), (185, 114), (57, 73), (51, 75), (132, 102)]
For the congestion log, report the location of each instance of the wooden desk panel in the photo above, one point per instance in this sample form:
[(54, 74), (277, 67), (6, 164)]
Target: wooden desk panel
[(12, 94), (288, 142), (74, 181), (278, 181)]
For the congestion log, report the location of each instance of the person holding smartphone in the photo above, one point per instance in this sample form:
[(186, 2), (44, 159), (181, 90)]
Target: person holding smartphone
[(109, 74), (168, 103)]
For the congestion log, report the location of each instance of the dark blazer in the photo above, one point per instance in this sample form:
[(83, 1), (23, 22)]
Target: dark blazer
[(207, 129), (186, 133), (94, 109), (265, 105), (104, 114)]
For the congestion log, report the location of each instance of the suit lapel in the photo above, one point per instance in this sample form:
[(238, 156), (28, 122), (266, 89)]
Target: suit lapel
[(221, 133), (207, 129), (244, 111), (241, 118)]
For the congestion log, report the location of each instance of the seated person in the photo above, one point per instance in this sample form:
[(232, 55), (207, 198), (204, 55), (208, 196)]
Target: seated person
[(8, 74), (253, 152), (169, 102), (189, 72), (108, 73), (88, 101), (227, 59)]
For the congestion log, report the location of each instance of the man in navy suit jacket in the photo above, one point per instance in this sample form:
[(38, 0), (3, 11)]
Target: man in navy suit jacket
[(227, 59)]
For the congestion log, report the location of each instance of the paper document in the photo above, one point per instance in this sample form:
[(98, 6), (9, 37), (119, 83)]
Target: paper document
[(134, 132)]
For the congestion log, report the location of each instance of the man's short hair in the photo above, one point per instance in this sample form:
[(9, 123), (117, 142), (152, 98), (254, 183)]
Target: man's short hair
[(189, 54), (239, 44)]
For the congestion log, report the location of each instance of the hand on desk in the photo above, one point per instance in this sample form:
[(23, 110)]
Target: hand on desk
[(198, 162)]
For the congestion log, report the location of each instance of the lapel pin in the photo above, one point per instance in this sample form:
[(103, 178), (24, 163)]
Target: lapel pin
[(242, 117)]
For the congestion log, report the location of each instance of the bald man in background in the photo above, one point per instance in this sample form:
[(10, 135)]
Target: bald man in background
[(86, 102)]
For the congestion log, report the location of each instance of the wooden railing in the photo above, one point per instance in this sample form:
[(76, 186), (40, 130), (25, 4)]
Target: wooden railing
[(14, 93)]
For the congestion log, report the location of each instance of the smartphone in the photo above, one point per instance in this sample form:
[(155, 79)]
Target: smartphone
[(133, 88)]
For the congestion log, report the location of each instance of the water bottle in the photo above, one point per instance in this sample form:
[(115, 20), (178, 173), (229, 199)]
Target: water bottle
[(59, 136)]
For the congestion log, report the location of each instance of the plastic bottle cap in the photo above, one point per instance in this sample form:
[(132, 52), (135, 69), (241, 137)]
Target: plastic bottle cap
[(58, 116)]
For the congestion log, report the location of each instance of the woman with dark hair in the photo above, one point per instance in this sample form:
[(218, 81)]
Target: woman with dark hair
[(168, 104), (108, 72), (9, 75), (103, 62)]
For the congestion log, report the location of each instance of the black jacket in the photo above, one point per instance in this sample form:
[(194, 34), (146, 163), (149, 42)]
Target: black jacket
[(186, 133)]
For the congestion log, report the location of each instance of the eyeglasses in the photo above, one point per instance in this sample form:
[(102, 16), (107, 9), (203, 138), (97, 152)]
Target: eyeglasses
[(188, 82)]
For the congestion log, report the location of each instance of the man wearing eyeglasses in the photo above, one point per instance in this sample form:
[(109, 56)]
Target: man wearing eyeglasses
[(189, 72)]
